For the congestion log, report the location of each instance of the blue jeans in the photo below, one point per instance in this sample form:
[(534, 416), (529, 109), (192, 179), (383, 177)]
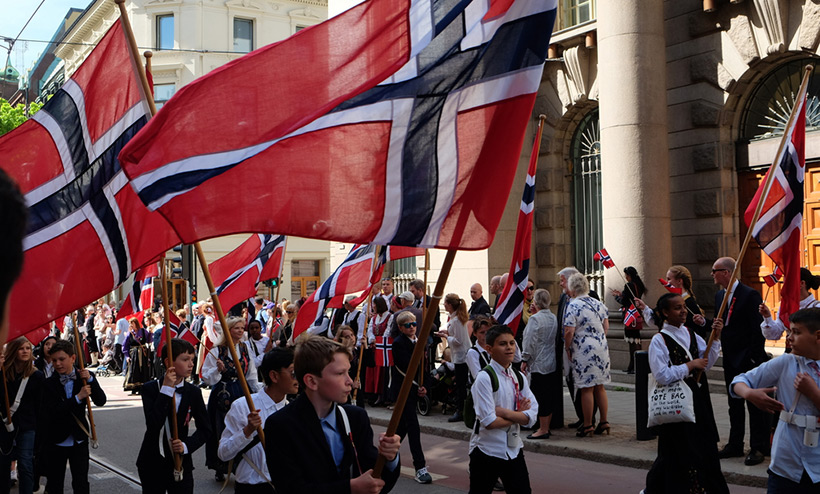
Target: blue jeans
[(23, 452), (782, 485)]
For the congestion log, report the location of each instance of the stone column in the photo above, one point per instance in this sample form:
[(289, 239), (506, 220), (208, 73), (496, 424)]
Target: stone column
[(634, 148)]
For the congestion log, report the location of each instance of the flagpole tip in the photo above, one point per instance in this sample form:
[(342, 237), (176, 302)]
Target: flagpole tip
[(809, 68), (119, 2), (148, 54)]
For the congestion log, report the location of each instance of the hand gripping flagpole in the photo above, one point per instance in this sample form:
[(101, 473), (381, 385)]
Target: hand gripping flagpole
[(418, 352), (132, 43), (170, 355), (363, 346), (81, 361), (807, 71)]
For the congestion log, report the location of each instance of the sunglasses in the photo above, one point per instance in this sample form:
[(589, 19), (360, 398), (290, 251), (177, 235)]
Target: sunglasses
[(409, 325), (530, 288)]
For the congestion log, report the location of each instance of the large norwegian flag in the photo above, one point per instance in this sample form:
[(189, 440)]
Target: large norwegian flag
[(141, 296), (351, 276), (404, 116), (238, 273), (88, 230), (778, 228), (386, 254), (511, 302), (187, 334)]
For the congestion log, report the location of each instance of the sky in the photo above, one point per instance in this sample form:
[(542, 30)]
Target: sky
[(15, 13)]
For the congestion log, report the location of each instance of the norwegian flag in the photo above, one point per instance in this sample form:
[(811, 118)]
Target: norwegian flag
[(774, 278), (237, 274), (141, 296), (406, 115), (351, 276), (186, 334), (384, 351), (38, 335), (87, 230), (511, 302), (631, 316), (603, 257), (386, 254), (777, 230), (669, 287)]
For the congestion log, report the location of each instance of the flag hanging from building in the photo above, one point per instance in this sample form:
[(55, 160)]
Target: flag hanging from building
[(384, 351), (141, 296), (603, 257), (669, 287), (351, 276), (405, 117), (238, 273), (777, 230), (774, 278), (87, 229), (631, 316), (511, 302)]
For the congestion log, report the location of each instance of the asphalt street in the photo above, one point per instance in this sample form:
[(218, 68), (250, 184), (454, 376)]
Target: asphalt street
[(120, 428)]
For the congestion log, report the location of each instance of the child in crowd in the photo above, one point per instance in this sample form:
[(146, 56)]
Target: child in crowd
[(155, 465), (795, 464), (503, 403), (240, 441), (315, 422), (66, 433)]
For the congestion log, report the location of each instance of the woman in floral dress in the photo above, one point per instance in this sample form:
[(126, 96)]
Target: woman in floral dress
[(586, 322)]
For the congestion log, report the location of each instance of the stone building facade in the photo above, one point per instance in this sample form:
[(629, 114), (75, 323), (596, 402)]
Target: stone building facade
[(661, 119)]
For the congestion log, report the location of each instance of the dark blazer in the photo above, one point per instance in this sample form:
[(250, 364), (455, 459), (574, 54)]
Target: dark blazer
[(57, 410), (394, 328), (402, 353), (157, 408), (741, 339), (299, 456), (25, 418), (480, 307)]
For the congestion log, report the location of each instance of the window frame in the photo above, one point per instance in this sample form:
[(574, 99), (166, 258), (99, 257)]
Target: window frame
[(158, 31), (252, 33)]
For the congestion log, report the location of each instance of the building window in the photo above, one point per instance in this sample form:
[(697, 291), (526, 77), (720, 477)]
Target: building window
[(304, 279), (574, 12), (242, 35), (587, 225), (165, 32), (162, 93)]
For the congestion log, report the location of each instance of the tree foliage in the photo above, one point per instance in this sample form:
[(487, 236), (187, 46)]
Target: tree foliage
[(13, 116)]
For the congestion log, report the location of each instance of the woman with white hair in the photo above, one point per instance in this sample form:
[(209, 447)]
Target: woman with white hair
[(586, 323), (538, 358)]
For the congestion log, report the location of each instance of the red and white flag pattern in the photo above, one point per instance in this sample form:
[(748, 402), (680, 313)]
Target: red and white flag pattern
[(384, 351), (774, 278), (141, 296), (603, 257), (670, 287), (237, 274)]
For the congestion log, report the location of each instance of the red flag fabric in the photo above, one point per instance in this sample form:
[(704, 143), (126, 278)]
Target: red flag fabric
[(603, 257), (186, 333), (386, 254), (777, 231), (631, 316), (774, 278), (37, 335), (511, 302), (88, 230), (141, 296), (669, 287), (395, 128), (384, 351), (238, 273)]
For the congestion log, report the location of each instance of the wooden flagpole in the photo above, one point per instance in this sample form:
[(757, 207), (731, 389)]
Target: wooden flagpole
[(170, 356), (81, 360), (132, 42), (418, 352), (363, 346), (9, 427), (766, 188), (423, 367)]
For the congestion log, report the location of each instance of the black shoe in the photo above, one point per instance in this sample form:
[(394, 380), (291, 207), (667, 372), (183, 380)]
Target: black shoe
[(457, 417), (576, 424), (754, 457), (499, 486), (219, 477), (546, 435), (730, 451)]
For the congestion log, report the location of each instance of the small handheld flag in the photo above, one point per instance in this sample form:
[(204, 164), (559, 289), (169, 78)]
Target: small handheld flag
[(603, 257), (669, 287), (631, 316), (774, 278)]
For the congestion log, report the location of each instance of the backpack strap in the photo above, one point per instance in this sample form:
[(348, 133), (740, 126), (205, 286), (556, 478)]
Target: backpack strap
[(493, 376)]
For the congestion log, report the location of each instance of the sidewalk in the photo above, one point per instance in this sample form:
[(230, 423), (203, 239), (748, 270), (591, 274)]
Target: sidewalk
[(619, 448)]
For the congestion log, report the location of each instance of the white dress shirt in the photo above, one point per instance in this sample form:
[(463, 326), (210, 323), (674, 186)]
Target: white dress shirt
[(378, 319), (211, 374), (169, 391), (233, 437), (773, 329), (493, 442), (662, 368), (474, 360), (358, 316), (458, 338), (257, 348)]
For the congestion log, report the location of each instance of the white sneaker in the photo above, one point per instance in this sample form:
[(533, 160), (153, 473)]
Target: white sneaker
[(14, 476), (423, 477)]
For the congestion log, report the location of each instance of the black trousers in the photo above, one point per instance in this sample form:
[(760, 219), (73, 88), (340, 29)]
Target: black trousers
[(575, 393), (461, 386), (759, 421), (161, 480), (409, 426), (77, 458), (485, 470)]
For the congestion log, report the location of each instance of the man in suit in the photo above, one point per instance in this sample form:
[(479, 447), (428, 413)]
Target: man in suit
[(65, 429), (742, 344), (154, 465), (406, 300), (479, 307), (495, 289), (417, 288), (326, 447)]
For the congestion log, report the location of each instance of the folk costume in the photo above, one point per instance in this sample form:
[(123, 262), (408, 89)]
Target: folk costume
[(140, 359)]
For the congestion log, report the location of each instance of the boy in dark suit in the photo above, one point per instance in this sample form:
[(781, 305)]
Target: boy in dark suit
[(65, 431), (154, 465), (323, 446)]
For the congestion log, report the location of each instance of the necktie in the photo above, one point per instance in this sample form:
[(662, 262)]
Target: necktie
[(68, 377), (814, 367)]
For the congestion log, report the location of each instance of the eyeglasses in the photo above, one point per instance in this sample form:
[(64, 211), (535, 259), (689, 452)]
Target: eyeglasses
[(721, 269), (289, 311), (409, 325)]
